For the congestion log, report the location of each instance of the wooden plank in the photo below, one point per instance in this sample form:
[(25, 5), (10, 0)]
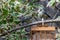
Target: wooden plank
[(43, 35), (43, 29)]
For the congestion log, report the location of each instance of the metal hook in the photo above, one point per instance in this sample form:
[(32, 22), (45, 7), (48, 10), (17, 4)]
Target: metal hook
[(42, 21)]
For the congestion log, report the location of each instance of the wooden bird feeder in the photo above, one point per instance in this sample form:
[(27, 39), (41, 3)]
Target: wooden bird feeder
[(43, 33)]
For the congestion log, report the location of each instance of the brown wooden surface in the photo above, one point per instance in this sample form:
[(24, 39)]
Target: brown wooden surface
[(43, 35), (43, 29), (43, 32)]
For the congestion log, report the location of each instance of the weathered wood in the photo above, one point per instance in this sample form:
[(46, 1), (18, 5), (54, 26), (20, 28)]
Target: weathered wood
[(43, 33), (43, 36), (43, 28)]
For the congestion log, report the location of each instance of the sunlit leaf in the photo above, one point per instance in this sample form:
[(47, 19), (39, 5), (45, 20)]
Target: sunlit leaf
[(51, 3)]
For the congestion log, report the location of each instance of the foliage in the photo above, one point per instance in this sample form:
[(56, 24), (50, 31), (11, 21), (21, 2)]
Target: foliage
[(10, 10), (53, 2)]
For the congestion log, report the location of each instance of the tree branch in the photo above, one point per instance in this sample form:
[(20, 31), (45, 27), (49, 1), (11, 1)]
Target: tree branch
[(34, 23)]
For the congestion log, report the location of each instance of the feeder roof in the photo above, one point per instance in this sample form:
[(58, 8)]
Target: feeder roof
[(43, 29)]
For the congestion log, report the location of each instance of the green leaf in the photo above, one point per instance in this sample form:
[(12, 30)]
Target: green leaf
[(51, 3), (5, 11)]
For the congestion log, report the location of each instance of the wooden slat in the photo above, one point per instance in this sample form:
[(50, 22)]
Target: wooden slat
[(43, 29)]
